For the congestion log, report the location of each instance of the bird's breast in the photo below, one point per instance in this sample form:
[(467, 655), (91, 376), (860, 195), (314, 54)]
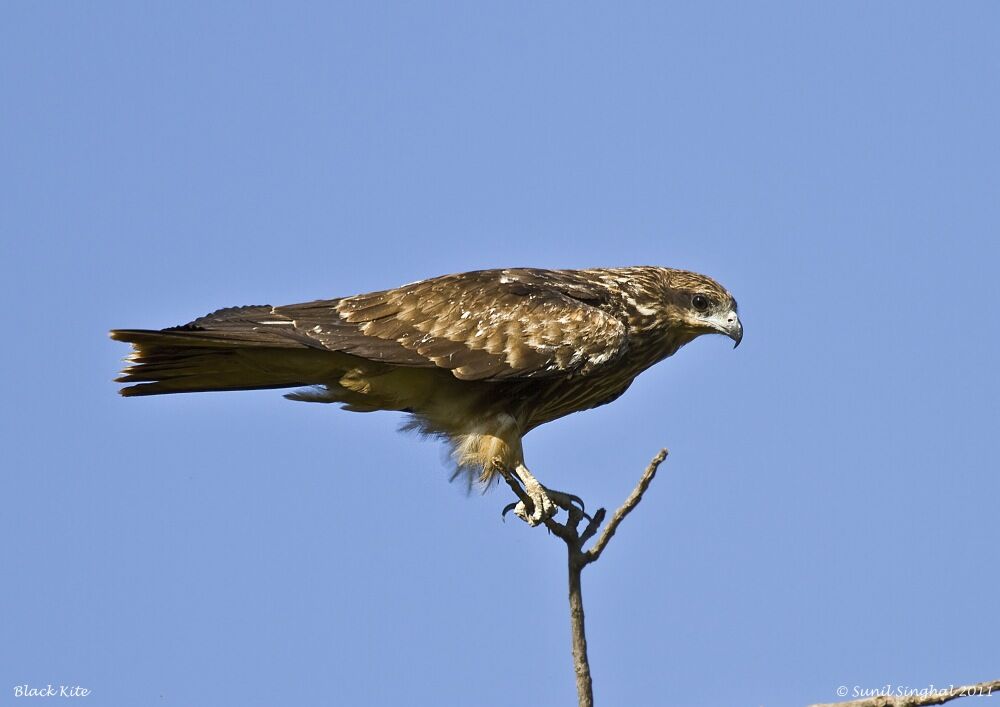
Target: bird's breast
[(555, 399)]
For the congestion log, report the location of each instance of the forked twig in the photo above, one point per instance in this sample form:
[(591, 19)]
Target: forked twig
[(578, 558), (630, 503)]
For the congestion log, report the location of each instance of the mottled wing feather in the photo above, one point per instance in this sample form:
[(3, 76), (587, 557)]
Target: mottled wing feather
[(485, 325), (322, 323)]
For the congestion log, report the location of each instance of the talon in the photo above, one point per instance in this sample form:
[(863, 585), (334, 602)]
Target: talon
[(543, 509), (567, 501)]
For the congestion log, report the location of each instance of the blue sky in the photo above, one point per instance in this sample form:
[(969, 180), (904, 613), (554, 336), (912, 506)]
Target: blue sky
[(827, 515)]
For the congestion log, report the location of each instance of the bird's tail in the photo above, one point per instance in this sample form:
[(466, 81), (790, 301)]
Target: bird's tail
[(189, 361)]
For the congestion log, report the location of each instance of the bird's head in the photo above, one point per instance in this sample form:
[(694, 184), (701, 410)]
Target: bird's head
[(696, 305)]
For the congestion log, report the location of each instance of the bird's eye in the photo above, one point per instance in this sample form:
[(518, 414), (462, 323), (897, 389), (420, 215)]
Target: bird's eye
[(699, 302)]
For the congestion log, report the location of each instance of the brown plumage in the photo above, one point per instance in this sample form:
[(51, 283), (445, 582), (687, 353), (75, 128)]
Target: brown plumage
[(479, 358)]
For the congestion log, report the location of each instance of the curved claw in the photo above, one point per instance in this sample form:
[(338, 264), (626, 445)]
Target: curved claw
[(566, 501), (507, 509)]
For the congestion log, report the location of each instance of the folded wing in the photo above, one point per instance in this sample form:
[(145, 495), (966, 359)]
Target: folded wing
[(484, 325)]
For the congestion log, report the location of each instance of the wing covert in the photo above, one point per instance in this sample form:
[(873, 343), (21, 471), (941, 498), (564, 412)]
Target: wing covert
[(484, 325)]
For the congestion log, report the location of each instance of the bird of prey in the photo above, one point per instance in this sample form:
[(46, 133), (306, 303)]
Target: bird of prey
[(477, 358)]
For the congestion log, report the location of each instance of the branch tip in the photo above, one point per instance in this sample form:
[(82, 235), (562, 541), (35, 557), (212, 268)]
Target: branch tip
[(631, 502)]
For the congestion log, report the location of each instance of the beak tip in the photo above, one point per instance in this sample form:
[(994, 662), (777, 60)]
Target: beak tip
[(737, 334)]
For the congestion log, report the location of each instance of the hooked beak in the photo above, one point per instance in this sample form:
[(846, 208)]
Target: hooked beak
[(736, 331), (728, 323)]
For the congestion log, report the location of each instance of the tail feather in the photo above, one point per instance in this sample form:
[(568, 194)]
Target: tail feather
[(190, 361)]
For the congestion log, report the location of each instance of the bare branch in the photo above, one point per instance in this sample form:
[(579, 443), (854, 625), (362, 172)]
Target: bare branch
[(631, 502), (578, 631), (593, 526), (578, 558), (936, 697)]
